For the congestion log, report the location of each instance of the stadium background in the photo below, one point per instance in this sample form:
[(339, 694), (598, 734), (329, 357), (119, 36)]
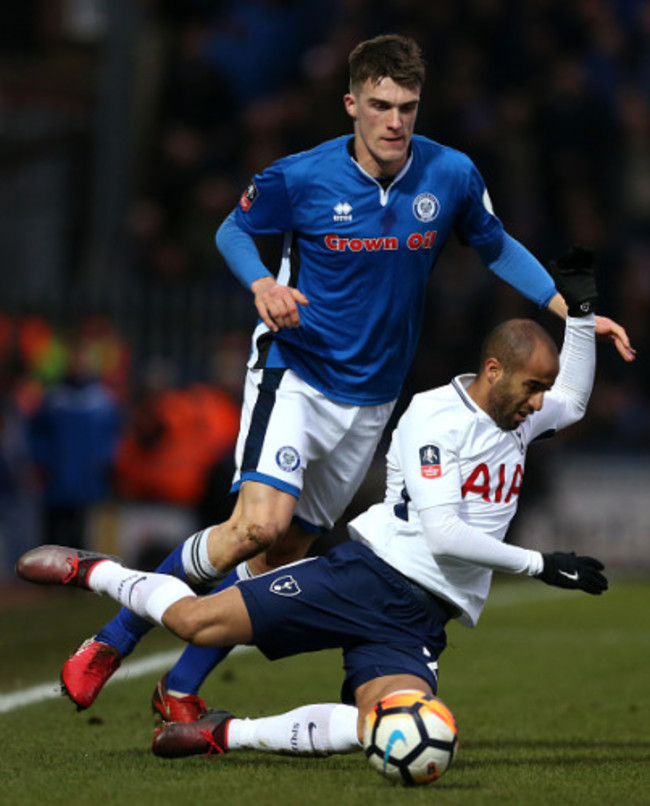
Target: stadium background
[(127, 131)]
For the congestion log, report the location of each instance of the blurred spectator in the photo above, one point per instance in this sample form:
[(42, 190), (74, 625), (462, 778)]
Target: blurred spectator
[(73, 437), (255, 47), (174, 438)]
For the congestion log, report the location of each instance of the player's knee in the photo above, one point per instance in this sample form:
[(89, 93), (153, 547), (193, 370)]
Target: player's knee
[(185, 619), (256, 535)]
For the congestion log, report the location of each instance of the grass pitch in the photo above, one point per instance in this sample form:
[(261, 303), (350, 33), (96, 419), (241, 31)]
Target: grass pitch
[(550, 692)]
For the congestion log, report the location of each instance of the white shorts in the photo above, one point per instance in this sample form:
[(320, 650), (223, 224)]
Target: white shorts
[(294, 438)]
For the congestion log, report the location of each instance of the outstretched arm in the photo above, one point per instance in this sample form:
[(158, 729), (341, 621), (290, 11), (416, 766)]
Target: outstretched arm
[(514, 264), (447, 535), (606, 329)]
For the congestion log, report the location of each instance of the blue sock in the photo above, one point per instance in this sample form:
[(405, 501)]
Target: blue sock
[(196, 663), (126, 629)]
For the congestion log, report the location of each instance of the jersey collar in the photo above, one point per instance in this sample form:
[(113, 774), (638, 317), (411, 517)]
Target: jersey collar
[(385, 184), (460, 384)]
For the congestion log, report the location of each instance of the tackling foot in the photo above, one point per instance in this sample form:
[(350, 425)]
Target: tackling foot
[(207, 735), (58, 565)]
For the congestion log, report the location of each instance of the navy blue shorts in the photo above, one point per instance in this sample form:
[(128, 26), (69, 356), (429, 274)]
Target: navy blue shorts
[(348, 598)]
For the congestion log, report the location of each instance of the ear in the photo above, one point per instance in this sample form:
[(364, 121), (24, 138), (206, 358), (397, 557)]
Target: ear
[(493, 370), (350, 105)]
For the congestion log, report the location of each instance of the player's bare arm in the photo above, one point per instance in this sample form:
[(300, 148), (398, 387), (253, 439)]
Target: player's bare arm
[(277, 305), (606, 329)]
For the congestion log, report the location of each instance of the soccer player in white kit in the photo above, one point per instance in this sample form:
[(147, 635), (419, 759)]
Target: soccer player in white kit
[(424, 555)]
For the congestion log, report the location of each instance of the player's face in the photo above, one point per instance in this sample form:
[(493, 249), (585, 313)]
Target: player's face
[(518, 393), (384, 117)]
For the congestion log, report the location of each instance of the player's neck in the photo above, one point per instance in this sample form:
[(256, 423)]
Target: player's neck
[(383, 172)]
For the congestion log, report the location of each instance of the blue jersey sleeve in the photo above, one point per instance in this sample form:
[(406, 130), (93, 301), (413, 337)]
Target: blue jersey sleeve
[(264, 209), (240, 252), (265, 206), (477, 224), (512, 262)]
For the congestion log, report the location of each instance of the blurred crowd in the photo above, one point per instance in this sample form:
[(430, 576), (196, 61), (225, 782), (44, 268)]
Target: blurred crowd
[(76, 431), (551, 99)]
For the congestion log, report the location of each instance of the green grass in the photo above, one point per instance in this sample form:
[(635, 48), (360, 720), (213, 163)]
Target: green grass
[(550, 693)]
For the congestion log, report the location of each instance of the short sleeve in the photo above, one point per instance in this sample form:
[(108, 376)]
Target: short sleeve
[(264, 207), (477, 223)]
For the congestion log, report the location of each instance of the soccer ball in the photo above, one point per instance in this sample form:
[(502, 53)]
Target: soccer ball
[(410, 737)]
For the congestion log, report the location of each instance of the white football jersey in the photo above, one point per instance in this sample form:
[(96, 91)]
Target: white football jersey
[(447, 451)]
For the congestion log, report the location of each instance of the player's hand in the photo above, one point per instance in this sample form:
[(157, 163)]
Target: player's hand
[(277, 305), (577, 573), (575, 279), (610, 330)]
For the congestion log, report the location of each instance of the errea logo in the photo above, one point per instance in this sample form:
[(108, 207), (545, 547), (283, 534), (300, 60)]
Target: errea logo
[(342, 212)]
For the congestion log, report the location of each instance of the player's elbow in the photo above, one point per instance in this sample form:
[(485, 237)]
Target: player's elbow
[(573, 414), (223, 232), (441, 535)]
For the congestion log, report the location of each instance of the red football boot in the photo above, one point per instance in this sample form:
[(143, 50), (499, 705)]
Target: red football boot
[(208, 735), (58, 565), (176, 709), (85, 672)]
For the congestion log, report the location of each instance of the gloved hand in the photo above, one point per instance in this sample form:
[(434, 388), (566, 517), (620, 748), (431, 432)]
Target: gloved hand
[(575, 279), (568, 571)]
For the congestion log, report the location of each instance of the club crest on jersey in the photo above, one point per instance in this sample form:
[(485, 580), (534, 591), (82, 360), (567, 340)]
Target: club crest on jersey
[(288, 459), (430, 462), (342, 211), (248, 197), (285, 585), (426, 207)]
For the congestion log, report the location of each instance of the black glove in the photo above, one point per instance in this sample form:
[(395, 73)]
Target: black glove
[(568, 571), (575, 279)]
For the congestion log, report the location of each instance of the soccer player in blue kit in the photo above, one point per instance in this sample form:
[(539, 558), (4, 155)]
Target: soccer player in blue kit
[(363, 219)]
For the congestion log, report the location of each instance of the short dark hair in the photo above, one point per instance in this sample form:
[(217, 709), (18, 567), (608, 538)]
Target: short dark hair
[(387, 56), (513, 341)]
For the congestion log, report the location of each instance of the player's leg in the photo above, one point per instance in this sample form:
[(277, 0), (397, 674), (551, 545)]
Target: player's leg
[(342, 442), (221, 619), (218, 620), (319, 729), (314, 729), (261, 514), (87, 670), (331, 446), (267, 409), (176, 698), (407, 642)]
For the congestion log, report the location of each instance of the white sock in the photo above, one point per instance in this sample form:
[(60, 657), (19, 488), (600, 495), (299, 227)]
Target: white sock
[(243, 571), (312, 730), (196, 562), (146, 594)]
